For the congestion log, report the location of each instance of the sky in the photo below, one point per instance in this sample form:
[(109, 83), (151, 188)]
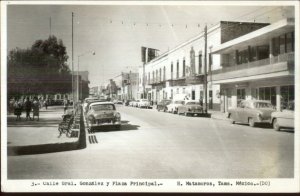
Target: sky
[(117, 32)]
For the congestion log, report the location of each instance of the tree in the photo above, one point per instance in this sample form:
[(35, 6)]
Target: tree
[(41, 69)]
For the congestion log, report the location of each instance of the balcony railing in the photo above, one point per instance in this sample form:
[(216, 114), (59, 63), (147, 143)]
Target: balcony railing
[(286, 57)]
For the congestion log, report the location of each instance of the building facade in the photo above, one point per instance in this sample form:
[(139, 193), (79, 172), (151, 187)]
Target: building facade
[(181, 70), (258, 65)]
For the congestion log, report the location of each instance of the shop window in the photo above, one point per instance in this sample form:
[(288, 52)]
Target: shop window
[(241, 95), (183, 90), (210, 98), (268, 94), (193, 94), (287, 95)]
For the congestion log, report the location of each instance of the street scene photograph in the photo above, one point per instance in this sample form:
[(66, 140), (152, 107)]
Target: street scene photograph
[(148, 94)]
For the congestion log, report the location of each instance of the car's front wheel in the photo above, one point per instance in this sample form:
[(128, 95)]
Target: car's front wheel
[(276, 125), (118, 127)]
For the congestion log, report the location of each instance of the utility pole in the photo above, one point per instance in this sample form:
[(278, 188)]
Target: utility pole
[(73, 64), (205, 68)]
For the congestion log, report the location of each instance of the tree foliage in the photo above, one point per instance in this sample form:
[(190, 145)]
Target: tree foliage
[(41, 69)]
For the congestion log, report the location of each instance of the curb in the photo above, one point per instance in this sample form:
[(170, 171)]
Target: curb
[(52, 147)]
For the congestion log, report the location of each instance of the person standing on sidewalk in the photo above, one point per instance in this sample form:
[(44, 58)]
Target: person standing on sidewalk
[(66, 103), (36, 109), (28, 107), (18, 109)]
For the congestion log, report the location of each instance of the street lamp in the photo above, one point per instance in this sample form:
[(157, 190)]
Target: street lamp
[(89, 52)]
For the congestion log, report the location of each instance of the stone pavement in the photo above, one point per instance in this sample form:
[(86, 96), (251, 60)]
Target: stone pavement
[(31, 137)]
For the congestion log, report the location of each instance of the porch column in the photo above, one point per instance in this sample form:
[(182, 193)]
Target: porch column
[(271, 51), (234, 98), (226, 100), (278, 98)]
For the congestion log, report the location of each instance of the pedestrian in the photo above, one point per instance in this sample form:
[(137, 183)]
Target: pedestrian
[(36, 109), (18, 109), (45, 104), (28, 107), (66, 104)]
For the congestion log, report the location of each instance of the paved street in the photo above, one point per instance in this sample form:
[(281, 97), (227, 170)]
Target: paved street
[(154, 144)]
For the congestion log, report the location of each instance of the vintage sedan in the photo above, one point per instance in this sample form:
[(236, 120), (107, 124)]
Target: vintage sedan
[(284, 118), (173, 106), (190, 108), (103, 114), (251, 112), (144, 103), (162, 105)]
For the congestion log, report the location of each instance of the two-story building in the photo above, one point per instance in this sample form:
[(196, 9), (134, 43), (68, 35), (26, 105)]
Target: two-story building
[(181, 70), (258, 65)]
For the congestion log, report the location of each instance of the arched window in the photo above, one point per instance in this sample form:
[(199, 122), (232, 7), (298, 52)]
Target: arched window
[(177, 69), (160, 74), (171, 71), (183, 67), (164, 74)]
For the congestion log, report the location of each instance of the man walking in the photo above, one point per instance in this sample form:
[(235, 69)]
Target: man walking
[(28, 107), (36, 109), (66, 103)]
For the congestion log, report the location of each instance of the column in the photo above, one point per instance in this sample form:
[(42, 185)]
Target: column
[(271, 51), (278, 98), (234, 98)]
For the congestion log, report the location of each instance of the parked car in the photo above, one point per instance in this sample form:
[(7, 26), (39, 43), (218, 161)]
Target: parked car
[(162, 105), (89, 102), (86, 101), (173, 106), (126, 103), (284, 118), (144, 103), (251, 112), (135, 103), (103, 114), (190, 108)]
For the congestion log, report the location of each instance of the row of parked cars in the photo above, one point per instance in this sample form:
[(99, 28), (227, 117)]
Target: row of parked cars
[(252, 112), (140, 103), (100, 112)]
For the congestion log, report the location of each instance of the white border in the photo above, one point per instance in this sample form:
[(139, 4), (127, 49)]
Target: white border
[(277, 185)]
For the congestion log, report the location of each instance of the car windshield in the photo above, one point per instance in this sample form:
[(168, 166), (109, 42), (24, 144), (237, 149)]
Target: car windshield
[(103, 107), (179, 102), (262, 105), (192, 103)]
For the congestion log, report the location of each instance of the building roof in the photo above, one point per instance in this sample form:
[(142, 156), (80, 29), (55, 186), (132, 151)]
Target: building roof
[(260, 36)]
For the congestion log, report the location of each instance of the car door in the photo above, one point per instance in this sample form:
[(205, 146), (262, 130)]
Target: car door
[(239, 115)]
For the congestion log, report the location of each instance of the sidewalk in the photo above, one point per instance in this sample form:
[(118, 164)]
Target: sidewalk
[(31, 137)]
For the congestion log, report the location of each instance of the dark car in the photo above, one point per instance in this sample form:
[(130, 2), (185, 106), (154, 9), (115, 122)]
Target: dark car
[(126, 103), (162, 105), (190, 108), (103, 114), (252, 112)]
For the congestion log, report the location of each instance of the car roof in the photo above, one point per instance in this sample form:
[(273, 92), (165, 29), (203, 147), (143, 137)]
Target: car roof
[(101, 103)]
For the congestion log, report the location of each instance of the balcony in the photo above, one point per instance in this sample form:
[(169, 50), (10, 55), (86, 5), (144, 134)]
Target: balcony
[(282, 62)]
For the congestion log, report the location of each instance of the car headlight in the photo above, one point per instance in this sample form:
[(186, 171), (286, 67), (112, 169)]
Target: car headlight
[(91, 118)]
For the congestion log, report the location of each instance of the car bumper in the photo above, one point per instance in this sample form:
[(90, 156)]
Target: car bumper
[(105, 124)]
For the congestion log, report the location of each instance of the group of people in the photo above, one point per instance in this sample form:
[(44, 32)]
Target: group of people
[(27, 105)]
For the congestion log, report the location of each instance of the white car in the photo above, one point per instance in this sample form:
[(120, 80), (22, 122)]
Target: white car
[(144, 103), (173, 106), (284, 118)]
